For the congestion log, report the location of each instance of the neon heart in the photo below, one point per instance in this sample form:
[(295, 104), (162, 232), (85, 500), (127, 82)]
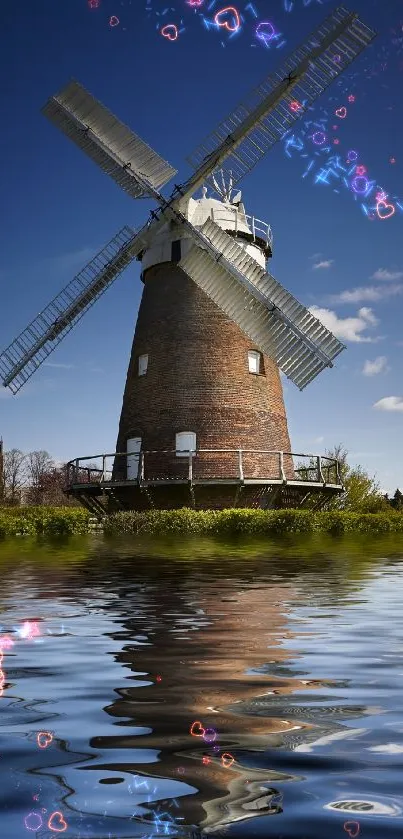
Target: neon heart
[(56, 822), (233, 18), (170, 31), (389, 210), (341, 112), (352, 828), (227, 760), (44, 738), (114, 21), (197, 729)]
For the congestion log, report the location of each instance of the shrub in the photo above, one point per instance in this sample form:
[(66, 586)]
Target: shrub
[(250, 522), (49, 521)]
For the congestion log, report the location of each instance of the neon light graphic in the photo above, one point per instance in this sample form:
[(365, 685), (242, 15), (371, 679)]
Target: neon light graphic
[(319, 138), (44, 739), (265, 32), (227, 760), (223, 19), (170, 31), (29, 630), (352, 156), (341, 112), (295, 106), (360, 184), (93, 4), (197, 730), (352, 828), (210, 735), (57, 822), (114, 21), (33, 821), (385, 210)]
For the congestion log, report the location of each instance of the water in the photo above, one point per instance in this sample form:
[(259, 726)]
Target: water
[(288, 656)]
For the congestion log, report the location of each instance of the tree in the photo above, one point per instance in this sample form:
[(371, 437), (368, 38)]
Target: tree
[(14, 475), (362, 492), (39, 465), (397, 500)]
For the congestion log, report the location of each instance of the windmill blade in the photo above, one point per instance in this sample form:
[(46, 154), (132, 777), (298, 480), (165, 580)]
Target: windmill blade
[(119, 152), (20, 360), (258, 123), (275, 321)]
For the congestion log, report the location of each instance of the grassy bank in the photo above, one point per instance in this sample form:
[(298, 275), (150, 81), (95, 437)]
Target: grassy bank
[(251, 522), (66, 521), (46, 521)]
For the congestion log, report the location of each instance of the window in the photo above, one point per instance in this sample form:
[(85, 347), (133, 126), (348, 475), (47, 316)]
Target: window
[(255, 362), (185, 441), (143, 364), (133, 447), (176, 250)]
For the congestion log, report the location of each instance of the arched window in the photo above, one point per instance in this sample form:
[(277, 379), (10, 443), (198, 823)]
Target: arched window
[(185, 442)]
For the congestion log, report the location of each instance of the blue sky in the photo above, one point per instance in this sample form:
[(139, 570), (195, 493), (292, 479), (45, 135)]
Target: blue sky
[(58, 209)]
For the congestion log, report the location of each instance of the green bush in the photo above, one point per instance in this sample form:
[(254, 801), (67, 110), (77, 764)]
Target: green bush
[(250, 522), (47, 521)]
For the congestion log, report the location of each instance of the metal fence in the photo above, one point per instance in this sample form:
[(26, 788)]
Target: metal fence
[(236, 465)]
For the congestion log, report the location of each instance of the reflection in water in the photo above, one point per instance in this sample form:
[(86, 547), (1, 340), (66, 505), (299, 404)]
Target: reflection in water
[(270, 650), (208, 651)]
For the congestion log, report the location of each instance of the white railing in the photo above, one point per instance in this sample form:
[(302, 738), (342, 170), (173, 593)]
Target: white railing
[(244, 223), (206, 464)]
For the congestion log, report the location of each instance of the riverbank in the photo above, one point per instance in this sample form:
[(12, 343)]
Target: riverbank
[(251, 522), (66, 521)]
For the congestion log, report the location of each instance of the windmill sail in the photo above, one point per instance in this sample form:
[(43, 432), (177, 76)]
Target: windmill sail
[(281, 326), (114, 147), (20, 360), (258, 123)]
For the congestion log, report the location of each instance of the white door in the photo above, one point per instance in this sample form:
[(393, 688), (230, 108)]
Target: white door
[(133, 447)]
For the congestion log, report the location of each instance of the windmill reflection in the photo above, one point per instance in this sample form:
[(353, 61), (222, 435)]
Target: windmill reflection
[(203, 667)]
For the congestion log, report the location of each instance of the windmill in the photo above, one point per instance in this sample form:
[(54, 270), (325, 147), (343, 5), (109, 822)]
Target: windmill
[(203, 394)]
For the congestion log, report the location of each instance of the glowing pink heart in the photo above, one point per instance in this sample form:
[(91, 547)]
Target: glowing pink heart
[(226, 17), (341, 112), (170, 31), (114, 21), (197, 729), (57, 822), (44, 738), (387, 211)]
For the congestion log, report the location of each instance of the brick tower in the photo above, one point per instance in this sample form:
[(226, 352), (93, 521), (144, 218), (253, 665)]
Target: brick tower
[(195, 380)]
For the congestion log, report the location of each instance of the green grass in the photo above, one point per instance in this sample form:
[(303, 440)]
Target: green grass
[(251, 522)]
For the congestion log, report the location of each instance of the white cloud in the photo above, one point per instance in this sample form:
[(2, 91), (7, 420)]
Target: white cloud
[(387, 749), (349, 329), (378, 365), (390, 403), (58, 366), (385, 274), (366, 294), (326, 263)]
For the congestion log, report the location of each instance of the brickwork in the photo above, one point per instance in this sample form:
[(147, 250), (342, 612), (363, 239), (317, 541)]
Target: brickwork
[(198, 380)]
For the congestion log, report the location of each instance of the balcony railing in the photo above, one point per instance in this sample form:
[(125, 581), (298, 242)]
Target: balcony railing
[(245, 223), (233, 465)]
